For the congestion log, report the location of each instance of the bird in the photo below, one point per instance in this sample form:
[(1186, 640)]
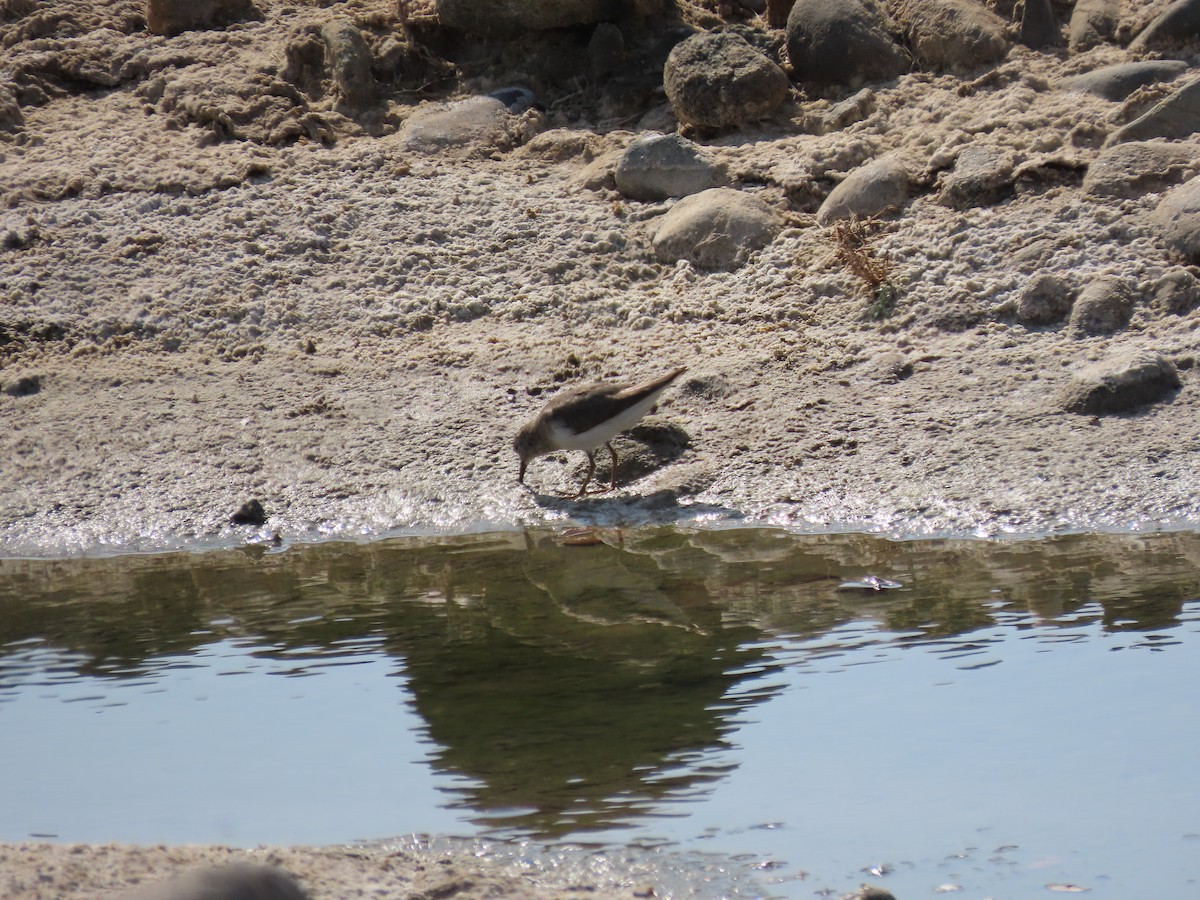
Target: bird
[(587, 416)]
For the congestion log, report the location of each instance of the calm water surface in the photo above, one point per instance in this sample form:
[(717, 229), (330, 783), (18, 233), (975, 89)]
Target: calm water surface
[(1018, 715)]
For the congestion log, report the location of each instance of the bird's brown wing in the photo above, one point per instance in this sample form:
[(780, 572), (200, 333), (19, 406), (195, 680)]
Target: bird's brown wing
[(589, 405)]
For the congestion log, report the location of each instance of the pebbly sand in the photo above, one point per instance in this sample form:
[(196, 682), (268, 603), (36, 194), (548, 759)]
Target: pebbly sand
[(197, 308)]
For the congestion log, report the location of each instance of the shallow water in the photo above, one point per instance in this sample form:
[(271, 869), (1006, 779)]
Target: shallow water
[(1017, 715)]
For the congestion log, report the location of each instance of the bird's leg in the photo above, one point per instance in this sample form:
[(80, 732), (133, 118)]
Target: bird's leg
[(613, 483), (591, 455)]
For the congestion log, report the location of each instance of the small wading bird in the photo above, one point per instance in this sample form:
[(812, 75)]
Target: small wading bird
[(585, 417)]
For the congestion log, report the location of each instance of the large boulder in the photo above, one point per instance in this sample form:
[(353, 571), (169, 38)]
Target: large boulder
[(1178, 116), (1119, 81), (515, 17), (172, 17), (1176, 26), (715, 229), (843, 42), (1092, 22), (658, 166), (720, 81), (952, 34)]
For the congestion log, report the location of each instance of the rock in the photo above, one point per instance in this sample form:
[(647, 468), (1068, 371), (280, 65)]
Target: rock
[(1044, 300), (1178, 219), (982, 175), (1177, 292), (720, 81), (515, 99), (1175, 117), (952, 34), (843, 42), (510, 18), (349, 61), (10, 110), (1092, 22), (1176, 26), (463, 124), (1039, 27), (1104, 306), (1119, 81), (715, 229), (1126, 381), (23, 385), (249, 513), (853, 109), (1139, 167), (659, 166), (238, 881), (870, 892), (870, 190), (606, 50), (170, 17)]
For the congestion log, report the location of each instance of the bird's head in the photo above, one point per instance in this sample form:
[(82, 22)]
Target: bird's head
[(529, 444)]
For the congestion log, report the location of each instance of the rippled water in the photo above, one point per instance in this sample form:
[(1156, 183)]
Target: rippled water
[(1017, 715)]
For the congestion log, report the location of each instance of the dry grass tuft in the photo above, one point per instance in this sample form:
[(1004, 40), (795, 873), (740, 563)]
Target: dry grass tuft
[(852, 248)]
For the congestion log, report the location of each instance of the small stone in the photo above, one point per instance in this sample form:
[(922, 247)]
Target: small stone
[(1119, 81), (982, 175), (237, 881), (1139, 167), (715, 229), (349, 63), (1177, 292), (871, 190), (249, 513), (23, 386), (659, 166), (1103, 307), (853, 109), (843, 42), (1044, 300), (1125, 381), (463, 124), (720, 81), (1178, 219)]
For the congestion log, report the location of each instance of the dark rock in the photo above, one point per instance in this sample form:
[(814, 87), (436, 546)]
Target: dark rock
[(1119, 81), (1039, 27), (1126, 381), (1102, 307), (720, 81), (1044, 300), (1178, 116), (952, 34), (659, 166), (249, 513), (239, 881), (503, 18), (171, 17), (1178, 220), (606, 49), (1092, 22), (1177, 292), (1140, 167), (715, 229), (515, 99), (1176, 26), (23, 386), (871, 190), (843, 42), (869, 892), (349, 61), (982, 175)]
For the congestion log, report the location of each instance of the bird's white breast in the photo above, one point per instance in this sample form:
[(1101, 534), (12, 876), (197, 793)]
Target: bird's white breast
[(589, 440)]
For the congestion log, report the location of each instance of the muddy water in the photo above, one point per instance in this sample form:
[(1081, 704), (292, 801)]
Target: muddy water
[(1015, 715)]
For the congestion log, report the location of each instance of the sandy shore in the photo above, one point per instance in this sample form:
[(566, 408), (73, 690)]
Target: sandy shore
[(351, 333)]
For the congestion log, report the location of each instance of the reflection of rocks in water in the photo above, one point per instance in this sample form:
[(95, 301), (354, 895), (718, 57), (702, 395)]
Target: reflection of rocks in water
[(569, 687)]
